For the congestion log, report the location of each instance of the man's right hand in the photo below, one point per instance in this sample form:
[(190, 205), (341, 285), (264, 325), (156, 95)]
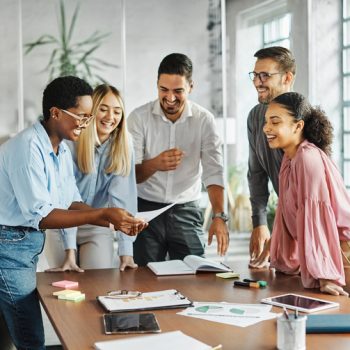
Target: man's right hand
[(124, 221), (260, 236), (169, 159)]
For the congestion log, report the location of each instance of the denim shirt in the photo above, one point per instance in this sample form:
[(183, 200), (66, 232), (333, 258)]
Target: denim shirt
[(33, 179), (99, 189)]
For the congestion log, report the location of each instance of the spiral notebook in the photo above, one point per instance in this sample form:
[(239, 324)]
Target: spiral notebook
[(164, 299)]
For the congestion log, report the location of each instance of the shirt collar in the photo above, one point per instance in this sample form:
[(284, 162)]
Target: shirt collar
[(157, 110), (46, 142)]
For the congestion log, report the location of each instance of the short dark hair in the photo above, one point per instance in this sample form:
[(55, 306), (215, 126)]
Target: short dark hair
[(176, 63), (63, 92), (317, 127), (279, 54)]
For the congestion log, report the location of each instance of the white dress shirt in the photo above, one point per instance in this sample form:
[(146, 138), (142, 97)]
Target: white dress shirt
[(195, 134)]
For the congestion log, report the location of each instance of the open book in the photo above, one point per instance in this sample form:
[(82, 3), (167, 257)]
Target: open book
[(189, 266)]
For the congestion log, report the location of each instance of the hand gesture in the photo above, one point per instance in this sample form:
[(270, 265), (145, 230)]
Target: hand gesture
[(127, 261), (262, 260), (260, 235), (219, 228), (329, 287), (169, 159), (69, 263), (124, 221)]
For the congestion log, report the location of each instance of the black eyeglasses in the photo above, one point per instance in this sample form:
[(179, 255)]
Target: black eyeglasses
[(82, 120), (263, 76)]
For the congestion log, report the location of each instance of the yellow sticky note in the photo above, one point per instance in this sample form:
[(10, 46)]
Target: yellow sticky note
[(72, 297), (228, 275), (66, 292)]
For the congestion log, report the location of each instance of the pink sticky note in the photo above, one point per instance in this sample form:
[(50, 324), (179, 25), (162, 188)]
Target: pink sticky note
[(65, 284)]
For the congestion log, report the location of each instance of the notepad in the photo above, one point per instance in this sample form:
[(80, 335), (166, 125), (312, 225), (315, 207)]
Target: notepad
[(334, 323), (170, 341), (164, 299), (189, 266)]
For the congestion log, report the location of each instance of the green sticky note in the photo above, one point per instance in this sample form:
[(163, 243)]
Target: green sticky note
[(237, 311), (228, 275)]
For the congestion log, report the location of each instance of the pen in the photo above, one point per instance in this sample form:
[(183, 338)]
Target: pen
[(217, 347), (296, 314), (246, 284), (287, 318), (226, 266), (262, 283)]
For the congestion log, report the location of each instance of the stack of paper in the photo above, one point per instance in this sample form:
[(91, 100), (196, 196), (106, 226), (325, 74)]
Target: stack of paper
[(241, 315), (171, 341)]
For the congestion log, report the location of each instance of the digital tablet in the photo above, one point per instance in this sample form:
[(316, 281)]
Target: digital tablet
[(130, 323), (300, 302)]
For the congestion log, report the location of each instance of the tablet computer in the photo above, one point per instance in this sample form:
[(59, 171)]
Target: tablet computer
[(130, 323), (300, 302)]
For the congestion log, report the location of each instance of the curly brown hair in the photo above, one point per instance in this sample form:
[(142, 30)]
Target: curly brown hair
[(317, 127)]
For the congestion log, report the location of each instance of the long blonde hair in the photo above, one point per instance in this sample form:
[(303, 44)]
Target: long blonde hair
[(119, 153)]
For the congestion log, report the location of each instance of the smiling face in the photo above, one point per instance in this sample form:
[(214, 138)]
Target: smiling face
[(173, 91), (275, 85), (108, 116), (281, 129), (68, 127)]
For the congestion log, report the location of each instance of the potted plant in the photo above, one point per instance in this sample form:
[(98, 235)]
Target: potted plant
[(72, 58)]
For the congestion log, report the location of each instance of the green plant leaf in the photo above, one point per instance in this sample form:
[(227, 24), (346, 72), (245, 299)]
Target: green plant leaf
[(72, 25)]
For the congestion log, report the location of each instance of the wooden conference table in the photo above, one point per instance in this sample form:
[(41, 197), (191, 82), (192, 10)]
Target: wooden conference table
[(79, 325)]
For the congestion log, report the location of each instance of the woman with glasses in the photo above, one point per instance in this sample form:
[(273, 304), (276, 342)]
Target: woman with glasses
[(105, 172), (38, 192), (311, 232)]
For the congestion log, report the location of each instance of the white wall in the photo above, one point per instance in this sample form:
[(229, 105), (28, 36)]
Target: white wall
[(154, 28)]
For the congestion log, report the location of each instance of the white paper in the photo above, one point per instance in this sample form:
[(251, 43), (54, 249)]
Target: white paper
[(150, 215), (241, 315), (151, 300), (170, 341)]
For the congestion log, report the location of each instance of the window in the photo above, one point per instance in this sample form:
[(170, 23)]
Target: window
[(276, 32), (345, 124)]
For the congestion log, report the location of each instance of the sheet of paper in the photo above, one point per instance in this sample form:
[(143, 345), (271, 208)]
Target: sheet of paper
[(171, 341), (241, 315), (150, 215)]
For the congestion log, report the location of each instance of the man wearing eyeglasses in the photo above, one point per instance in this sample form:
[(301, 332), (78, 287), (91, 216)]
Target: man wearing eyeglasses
[(273, 75)]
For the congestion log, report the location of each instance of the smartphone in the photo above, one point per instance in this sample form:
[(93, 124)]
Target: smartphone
[(130, 323), (300, 302)]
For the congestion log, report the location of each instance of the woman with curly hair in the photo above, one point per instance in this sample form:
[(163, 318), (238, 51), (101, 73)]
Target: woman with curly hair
[(311, 233)]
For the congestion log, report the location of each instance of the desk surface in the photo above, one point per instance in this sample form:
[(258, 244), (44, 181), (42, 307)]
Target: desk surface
[(79, 325)]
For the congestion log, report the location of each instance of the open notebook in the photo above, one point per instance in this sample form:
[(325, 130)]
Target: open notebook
[(171, 341), (189, 266)]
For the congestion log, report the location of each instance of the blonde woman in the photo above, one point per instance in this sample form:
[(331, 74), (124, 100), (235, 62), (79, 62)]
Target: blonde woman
[(105, 173)]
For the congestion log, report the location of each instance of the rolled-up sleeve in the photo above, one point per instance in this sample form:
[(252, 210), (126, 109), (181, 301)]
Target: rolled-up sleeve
[(257, 180), (31, 192), (211, 154), (136, 129)]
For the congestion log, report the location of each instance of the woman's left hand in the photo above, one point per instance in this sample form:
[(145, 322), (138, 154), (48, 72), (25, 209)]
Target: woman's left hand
[(329, 287), (127, 261)]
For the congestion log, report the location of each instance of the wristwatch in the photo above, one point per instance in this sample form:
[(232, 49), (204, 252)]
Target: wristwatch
[(222, 216)]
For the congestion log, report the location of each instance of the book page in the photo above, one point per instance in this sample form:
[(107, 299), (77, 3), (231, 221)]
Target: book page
[(198, 263), (170, 267)]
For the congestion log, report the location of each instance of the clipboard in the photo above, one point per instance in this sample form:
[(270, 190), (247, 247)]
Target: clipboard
[(164, 299)]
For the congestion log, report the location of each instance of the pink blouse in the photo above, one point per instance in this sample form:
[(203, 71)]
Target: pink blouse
[(313, 214)]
